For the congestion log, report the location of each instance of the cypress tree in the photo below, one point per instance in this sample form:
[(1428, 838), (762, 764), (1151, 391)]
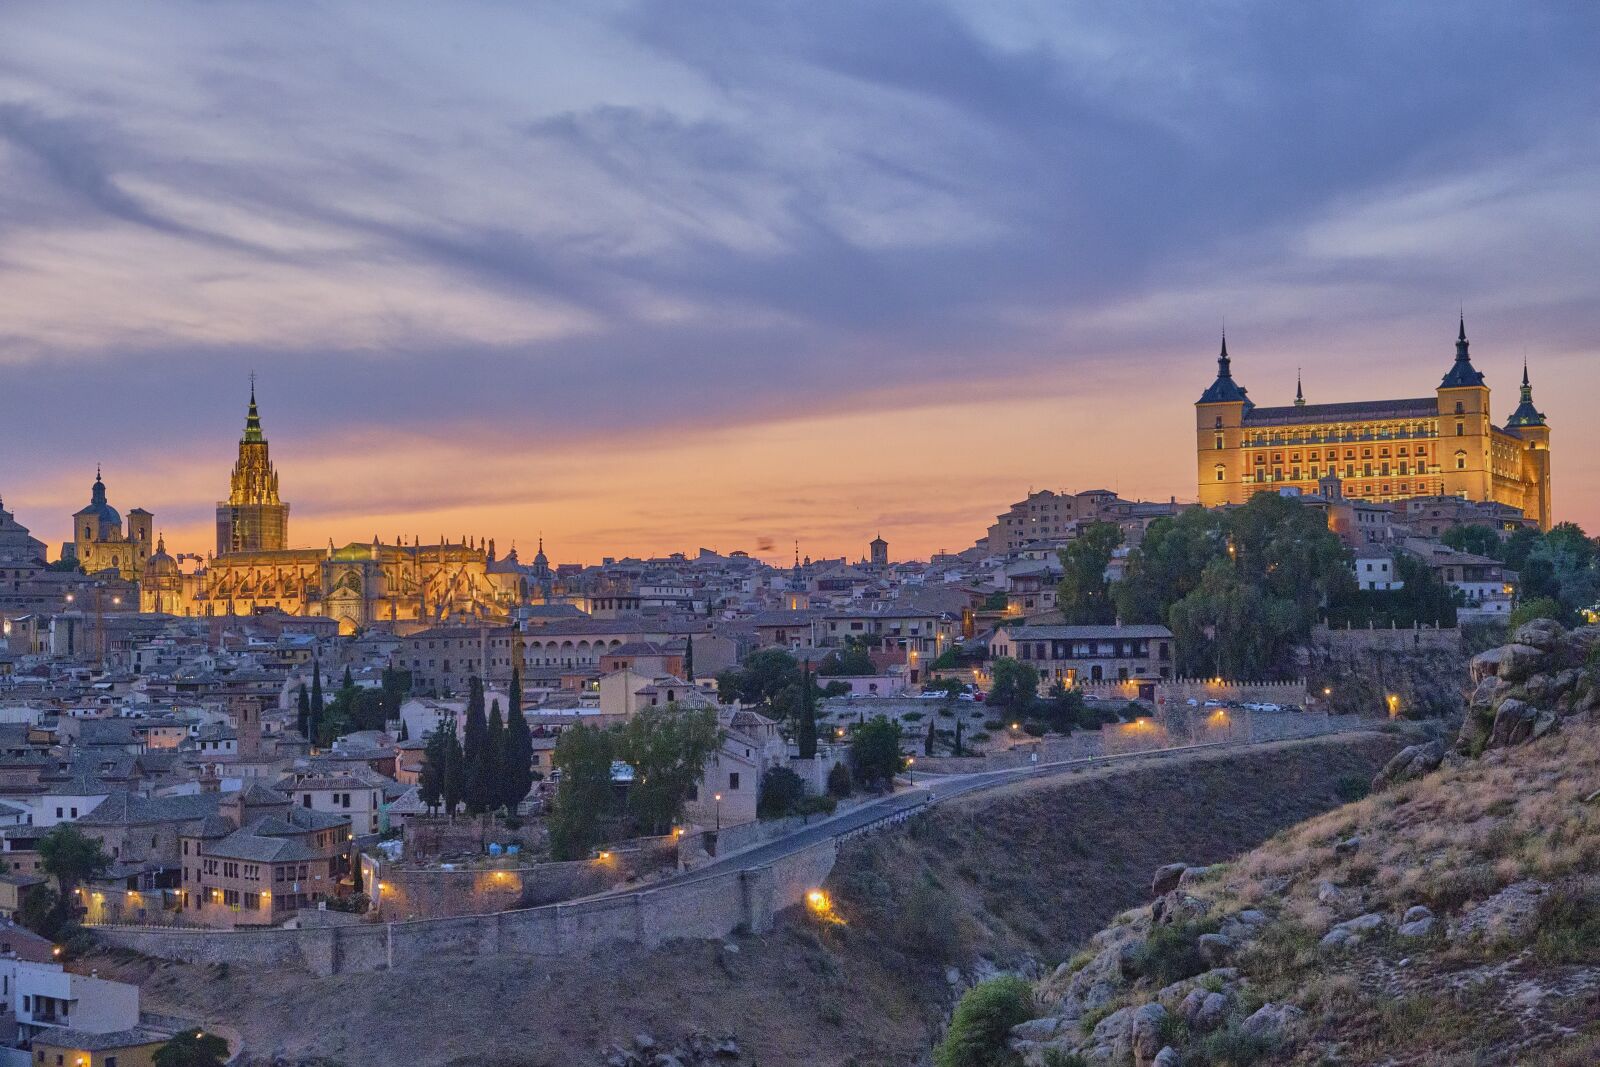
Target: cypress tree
[(347, 682), (688, 660), (494, 760), (405, 734), (958, 737), (317, 704), (518, 753), (476, 769), (806, 735), (454, 783), (303, 713), (430, 784), (927, 743)]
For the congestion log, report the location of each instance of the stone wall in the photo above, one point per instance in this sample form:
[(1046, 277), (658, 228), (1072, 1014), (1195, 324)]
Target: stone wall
[(434, 892), (708, 907)]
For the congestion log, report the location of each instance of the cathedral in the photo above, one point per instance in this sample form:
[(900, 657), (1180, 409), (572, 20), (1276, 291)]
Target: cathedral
[(1379, 450), (404, 586), (101, 543)]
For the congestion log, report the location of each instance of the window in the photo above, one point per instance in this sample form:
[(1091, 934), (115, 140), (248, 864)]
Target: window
[(1461, 461), (1221, 472), (733, 780), (1461, 428)]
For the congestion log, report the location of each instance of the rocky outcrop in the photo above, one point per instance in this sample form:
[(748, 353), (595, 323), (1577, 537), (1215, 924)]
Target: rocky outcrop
[(696, 1049), (1410, 762), (1525, 690)]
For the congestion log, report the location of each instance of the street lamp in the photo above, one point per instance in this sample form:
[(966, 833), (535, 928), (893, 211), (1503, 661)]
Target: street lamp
[(1394, 705), (911, 770), (718, 798)]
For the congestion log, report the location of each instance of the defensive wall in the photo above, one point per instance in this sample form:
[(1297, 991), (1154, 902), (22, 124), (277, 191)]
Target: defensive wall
[(408, 891), (1348, 640), (707, 907)]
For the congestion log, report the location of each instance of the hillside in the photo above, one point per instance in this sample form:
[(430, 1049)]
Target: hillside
[(1017, 875), (1452, 918)]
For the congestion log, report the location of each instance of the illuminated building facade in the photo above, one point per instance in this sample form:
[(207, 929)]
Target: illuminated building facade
[(1383, 450), (101, 543), (252, 519), (407, 586)]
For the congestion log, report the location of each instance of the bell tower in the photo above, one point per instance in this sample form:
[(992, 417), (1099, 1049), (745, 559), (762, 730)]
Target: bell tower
[(252, 519)]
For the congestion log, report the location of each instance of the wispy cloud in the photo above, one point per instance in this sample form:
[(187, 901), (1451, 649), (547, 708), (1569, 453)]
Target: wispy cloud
[(514, 259)]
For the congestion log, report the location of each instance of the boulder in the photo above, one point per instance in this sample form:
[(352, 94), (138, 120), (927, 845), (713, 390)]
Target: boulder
[(1215, 949), (1545, 723), (1510, 915), (1204, 1010), (1352, 932), (1543, 634), (1410, 762), (1513, 723), (1167, 879), (1038, 1029), (1272, 1022), (1416, 927), (1167, 1057), (1144, 1031), (1191, 875)]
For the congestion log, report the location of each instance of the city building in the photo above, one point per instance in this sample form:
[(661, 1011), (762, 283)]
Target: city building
[(404, 584), (1075, 654), (100, 542), (1382, 450), (253, 518)]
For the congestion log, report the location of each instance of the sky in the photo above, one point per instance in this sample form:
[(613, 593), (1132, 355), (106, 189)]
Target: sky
[(646, 277)]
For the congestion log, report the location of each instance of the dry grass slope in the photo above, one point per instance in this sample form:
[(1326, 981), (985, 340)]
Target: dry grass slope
[(1018, 874), (1505, 855)]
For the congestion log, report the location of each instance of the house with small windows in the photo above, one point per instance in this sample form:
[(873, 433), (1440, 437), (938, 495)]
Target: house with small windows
[(1375, 570), (730, 785), (356, 794), (1074, 654), (261, 859), (55, 1016)]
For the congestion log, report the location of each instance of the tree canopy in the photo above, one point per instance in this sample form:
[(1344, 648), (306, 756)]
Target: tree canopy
[(1238, 587), (1084, 594)]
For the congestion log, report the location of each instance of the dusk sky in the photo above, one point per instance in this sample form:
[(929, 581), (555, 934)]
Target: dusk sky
[(647, 277)]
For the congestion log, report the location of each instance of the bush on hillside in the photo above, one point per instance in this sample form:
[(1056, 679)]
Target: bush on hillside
[(782, 792), (839, 781), (1172, 953), (1539, 608), (981, 1023)]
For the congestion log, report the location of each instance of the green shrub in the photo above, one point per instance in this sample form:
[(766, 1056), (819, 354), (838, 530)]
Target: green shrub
[(1569, 929), (982, 1022), (912, 716), (782, 793), (1230, 1047), (839, 781), (1054, 1057), (930, 926), (1539, 608), (1351, 788), (825, 804), (1172, 953)]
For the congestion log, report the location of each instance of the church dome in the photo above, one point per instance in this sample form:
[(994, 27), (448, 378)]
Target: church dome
[(161, 568), (98, 507)]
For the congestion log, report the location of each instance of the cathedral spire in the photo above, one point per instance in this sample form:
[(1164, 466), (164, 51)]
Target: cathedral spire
[(252, 420), (1299, 393)]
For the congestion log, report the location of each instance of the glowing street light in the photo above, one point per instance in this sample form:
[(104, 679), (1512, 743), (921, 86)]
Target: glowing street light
[(718, 798)]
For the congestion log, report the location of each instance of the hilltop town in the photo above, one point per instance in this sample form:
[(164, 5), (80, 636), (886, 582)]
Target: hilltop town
[(357, 757)]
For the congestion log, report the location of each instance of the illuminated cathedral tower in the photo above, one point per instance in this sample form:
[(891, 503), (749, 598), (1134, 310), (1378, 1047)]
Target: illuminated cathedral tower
[(252, 519)]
